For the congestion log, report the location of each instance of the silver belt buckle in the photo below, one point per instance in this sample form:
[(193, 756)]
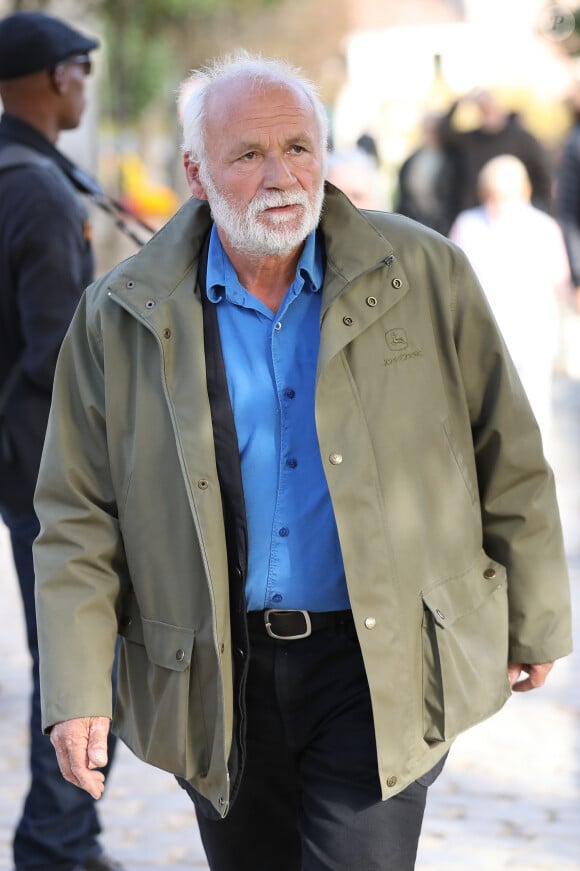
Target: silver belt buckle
[(272, 634)]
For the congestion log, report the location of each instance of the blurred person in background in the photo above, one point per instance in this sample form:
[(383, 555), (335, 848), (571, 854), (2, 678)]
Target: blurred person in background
[(498, 132), (46, 261), (301, 479), (356, 174), (426, 180), (519, 255), (367, 143), (568, 195)]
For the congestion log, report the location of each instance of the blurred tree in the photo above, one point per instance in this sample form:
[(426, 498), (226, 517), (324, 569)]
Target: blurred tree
[(144, 46)]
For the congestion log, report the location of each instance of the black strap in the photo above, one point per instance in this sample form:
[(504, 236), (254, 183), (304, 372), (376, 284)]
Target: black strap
[(16, 154), (234, 511), (225, 436)]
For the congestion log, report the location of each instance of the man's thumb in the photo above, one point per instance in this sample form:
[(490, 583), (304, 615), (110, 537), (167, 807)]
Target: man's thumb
[(97, 746)]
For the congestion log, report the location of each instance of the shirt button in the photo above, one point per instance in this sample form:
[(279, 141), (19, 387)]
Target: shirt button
[(392, 780), (283, 532), (489, 574), (370, 622), (292, 463), (278, 326), (335, 459), (277, 597), (289, 393)]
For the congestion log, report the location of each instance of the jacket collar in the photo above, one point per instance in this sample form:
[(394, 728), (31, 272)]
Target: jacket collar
[(15, 130), (169, 258), (366, 249), (172, 255)]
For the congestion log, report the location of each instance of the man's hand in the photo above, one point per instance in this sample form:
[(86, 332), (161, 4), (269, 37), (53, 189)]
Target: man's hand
[(81, 748), (536, 675)]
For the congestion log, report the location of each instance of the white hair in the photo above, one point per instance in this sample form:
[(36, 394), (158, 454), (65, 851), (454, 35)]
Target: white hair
[(196, 89)]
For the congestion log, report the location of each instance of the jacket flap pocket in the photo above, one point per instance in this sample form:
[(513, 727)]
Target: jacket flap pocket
[(167, 645), (454, 598)]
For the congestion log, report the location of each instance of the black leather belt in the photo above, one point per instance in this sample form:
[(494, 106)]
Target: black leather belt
[(293, 625)]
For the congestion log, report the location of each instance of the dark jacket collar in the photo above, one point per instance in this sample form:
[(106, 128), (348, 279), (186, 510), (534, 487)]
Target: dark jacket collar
[(13, 129)]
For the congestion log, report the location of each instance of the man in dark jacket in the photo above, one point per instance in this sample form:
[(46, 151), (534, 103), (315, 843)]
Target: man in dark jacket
[(499, 132), (46, 261)]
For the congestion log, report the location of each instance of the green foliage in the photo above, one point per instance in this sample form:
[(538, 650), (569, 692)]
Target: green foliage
[(142, 44)]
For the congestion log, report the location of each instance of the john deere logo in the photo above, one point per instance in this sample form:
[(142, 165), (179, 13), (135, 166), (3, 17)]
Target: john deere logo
[(397, 339)]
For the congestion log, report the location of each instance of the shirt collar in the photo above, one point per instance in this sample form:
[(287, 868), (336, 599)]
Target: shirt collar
[(222, 281)]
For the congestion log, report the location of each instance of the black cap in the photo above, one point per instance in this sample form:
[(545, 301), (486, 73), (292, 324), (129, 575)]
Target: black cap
[(33, 41)]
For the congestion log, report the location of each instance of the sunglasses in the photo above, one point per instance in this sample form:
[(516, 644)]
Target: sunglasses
[(80, 60)]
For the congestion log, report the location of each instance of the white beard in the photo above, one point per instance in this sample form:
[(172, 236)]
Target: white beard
[(248, 231)]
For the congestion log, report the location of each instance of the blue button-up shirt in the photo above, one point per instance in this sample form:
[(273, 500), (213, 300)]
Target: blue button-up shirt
[(294, 557)]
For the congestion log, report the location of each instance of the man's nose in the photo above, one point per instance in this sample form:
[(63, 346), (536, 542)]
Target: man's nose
[(277, 173)]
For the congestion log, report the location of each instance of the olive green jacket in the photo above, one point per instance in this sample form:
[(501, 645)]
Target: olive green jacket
[(444, 503)]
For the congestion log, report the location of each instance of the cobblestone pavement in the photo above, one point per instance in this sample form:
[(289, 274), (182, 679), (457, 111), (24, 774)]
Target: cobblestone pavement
[(509, 797)]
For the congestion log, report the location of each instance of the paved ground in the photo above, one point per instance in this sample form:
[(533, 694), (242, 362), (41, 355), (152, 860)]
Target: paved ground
[(509, 797)]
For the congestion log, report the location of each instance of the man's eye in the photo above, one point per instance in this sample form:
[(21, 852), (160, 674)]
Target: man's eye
[(249, 155), (297, 149)]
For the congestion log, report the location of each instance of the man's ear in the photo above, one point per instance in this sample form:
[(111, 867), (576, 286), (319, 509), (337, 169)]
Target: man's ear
[(58, 79), (193, 180)]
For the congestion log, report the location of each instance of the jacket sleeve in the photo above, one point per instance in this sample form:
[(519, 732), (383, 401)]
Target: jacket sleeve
[(447, 133), (78, 556), (520, 517), (49, 255)]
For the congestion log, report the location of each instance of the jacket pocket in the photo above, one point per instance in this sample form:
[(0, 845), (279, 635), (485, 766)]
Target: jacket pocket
[(158, 712), (465, 650), (460, 461)]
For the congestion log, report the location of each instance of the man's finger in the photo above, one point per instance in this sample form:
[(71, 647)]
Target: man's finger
[(97, 747), (536, 675)]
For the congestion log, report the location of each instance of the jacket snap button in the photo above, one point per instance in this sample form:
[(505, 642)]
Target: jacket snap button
[(489, 574), (167, 333), (150, 303), (180, 655), (348, 321), (370, 622), (397, 283), (335, 459), (372, 301), (203, 484), (130, 284), (392, 780)]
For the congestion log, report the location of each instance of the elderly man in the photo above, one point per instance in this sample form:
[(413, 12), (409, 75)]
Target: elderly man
[(290, 462)]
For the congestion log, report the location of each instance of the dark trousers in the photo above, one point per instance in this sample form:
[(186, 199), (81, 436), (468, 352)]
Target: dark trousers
[(310, 796), (59, 825)]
